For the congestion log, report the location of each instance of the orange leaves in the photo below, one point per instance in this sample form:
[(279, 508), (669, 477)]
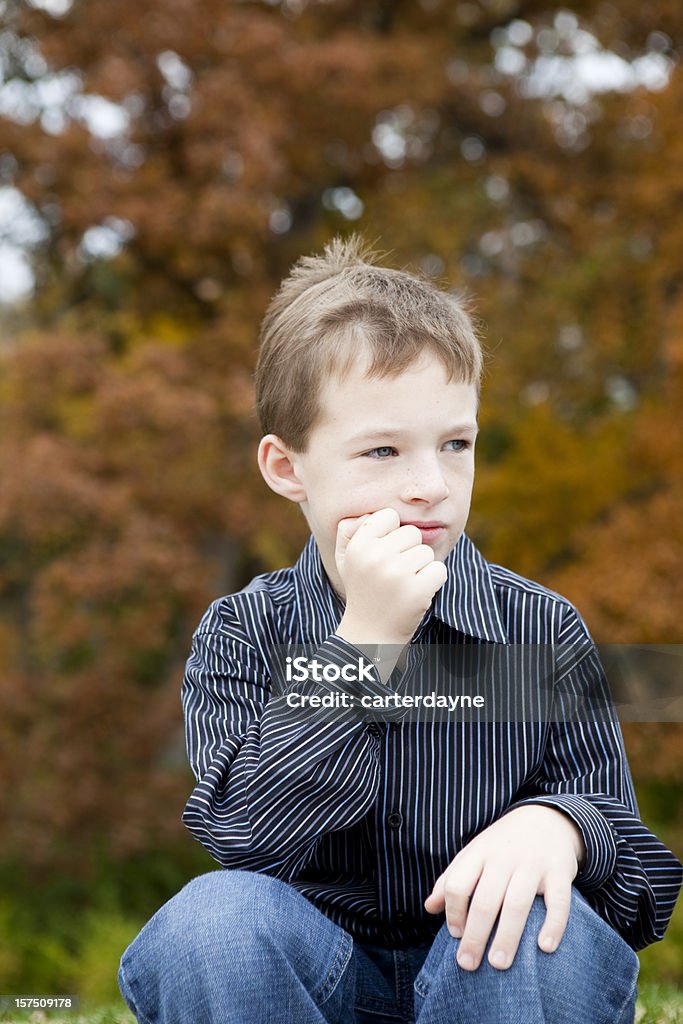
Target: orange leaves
[(115, 603), (129, 490)]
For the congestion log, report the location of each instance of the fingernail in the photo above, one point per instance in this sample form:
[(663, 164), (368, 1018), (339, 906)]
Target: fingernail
[(466, 961), (549, 944), (455, 931), (500, 959)]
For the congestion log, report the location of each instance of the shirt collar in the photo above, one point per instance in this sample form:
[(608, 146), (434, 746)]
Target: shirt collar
[(466, 602)]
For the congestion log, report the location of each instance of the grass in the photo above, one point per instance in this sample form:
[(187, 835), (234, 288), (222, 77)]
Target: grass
[(657, 1004), (104, 1015)]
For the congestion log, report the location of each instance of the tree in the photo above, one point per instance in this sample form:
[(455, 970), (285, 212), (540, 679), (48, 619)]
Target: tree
[(200, 148)]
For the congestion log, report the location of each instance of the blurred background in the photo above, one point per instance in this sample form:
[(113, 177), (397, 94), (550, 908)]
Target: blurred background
[(162, 164)]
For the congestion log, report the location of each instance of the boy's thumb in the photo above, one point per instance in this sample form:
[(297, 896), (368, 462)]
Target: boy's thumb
[(436, 898)]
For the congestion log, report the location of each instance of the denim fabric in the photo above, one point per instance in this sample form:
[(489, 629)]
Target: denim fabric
[(237, 947)]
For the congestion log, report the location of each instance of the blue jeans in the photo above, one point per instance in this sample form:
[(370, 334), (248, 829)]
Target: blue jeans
[(237, 947)]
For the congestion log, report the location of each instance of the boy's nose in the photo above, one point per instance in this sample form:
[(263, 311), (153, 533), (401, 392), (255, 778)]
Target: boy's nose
[(425, 483)]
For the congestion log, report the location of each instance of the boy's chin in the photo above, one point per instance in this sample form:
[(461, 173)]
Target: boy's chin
[(443, 550)]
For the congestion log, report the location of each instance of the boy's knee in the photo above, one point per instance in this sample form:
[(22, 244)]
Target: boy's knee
[(593, 967), (232, 915), (216, 888), (590, 976), (586, 933), (223, 929), (591, 932), (246, 909), (217, 923), (207, 913)]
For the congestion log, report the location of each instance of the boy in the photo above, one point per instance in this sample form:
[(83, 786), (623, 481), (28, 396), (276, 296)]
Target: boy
[(348, 840)]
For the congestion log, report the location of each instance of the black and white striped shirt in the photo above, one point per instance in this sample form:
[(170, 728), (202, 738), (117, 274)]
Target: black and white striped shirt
[(362, 818)]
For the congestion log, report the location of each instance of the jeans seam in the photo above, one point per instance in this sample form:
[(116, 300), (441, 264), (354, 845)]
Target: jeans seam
[(141, 1017), (419, 985), (404, 992), (345, 947), (629, 997)]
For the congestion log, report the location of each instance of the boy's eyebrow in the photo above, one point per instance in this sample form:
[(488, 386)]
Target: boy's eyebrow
[(391, 433)]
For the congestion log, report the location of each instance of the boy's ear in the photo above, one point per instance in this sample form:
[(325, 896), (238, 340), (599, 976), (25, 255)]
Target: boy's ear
[(276, 462)]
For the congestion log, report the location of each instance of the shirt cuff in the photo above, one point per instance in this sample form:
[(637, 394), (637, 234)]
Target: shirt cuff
[(596, 832)]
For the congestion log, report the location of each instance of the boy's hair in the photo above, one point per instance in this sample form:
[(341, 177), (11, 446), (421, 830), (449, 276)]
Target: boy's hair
[(336, 308)]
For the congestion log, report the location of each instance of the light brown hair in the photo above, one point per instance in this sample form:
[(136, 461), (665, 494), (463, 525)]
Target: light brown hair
[(334, 309)]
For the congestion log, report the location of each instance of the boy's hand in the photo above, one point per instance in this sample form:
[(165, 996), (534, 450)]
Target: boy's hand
[(389, 577), (530, 850)]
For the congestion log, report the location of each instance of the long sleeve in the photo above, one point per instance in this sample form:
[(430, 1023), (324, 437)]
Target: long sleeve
[(361, 805), (271, 779), (628, 876)]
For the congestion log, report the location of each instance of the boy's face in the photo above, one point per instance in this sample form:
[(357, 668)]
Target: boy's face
[(405, 443)]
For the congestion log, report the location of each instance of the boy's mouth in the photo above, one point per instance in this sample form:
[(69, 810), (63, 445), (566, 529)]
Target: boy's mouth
[(430, 530)]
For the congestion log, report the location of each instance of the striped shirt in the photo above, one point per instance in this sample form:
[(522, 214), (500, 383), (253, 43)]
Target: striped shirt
[(363, 817)]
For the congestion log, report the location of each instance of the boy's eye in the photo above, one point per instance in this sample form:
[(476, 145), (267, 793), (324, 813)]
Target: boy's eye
[(385, 451), (381, 453)]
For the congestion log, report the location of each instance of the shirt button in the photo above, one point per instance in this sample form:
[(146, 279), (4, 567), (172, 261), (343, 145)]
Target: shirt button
[(400, 918), (394, 819), (374, 730)]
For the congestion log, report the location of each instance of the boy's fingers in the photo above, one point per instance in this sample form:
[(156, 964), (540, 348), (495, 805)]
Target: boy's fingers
[(481, 917), (436, 898), (378, 524), (435, 574), (381, 522), (519, 898), (346, 528), (415, 559), (435, 903), (404, 538), (557, 894), (462, 878)]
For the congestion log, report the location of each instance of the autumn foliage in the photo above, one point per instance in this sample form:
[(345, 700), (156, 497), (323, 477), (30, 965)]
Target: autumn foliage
[(236, 137)]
